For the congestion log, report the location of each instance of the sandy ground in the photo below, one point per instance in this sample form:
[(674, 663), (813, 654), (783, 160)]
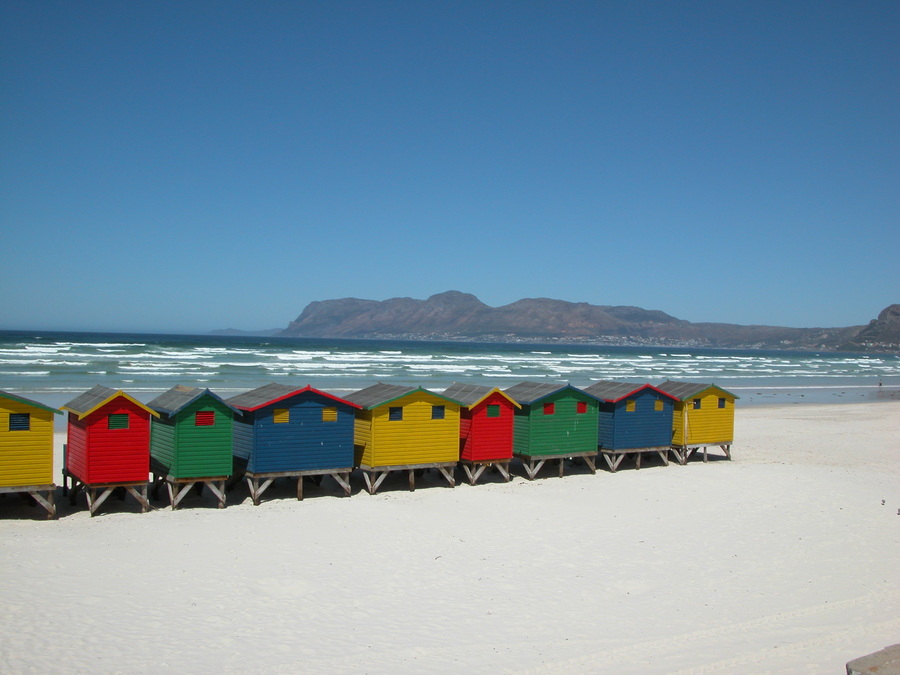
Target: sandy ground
[(782, 560)]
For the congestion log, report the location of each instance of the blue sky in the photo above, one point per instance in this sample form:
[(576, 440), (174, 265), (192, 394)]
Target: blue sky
[(187, 166)]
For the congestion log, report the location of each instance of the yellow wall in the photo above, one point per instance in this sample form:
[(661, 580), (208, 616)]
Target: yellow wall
[(26, 457), (710, 425), (416, 439)]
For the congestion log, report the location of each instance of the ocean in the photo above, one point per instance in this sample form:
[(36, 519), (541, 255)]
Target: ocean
[(54, 367)]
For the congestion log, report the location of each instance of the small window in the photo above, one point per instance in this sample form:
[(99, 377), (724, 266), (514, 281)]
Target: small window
[(20, 421), (204, 418), (395, 413), (281, 415), (493, 410), (630, 405), (437, 412), (696, 404), (117, 421), (549, 408), (721, 402), (581, 407), (329, 414), (658, 405)]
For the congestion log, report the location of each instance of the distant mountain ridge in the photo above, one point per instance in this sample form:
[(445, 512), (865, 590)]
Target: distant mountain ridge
[(453, 315)]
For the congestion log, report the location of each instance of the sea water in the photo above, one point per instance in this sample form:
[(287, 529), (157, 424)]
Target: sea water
[(54, 367)]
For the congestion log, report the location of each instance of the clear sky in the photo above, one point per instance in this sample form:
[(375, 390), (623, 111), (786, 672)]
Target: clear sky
[(187, 166)]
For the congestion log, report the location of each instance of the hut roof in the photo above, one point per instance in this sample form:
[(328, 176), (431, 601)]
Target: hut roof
[(471, 395), (686, 390), (179, 397), (273, 393), (382, 393), (613, 392), (28, 401), (527, 393), (98, 396)]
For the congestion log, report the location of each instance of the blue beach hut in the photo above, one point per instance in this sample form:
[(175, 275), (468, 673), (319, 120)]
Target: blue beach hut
[(633, 419), (281, 431)]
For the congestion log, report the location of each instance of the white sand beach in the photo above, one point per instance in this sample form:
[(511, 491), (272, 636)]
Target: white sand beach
[(782, 560)]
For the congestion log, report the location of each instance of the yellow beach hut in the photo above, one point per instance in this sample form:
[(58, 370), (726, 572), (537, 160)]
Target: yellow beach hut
[(26, 448), (703, 417), (404, 428)]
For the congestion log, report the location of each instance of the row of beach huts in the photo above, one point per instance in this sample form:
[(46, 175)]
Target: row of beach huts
[(189, 437)]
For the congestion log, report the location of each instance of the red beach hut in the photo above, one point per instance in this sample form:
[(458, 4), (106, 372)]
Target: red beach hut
[(108, 446), (485, 428)]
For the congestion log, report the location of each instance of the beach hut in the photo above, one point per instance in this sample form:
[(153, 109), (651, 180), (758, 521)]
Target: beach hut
[(555, 422), (634, 419), (108, 446), (285, 432), (402, 428), (190, 442), (703, 417), (485, 428), (26, 448)]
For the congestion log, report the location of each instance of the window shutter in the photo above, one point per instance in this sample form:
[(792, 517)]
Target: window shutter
[(395, 413), (696, 404), (493, 410), (437, 412), (549, 408), (281, 415), (658, 405), (630, 405), (581, 407), (205, 418), (20, 421), (117, 421), (721, 402), (329, 414)]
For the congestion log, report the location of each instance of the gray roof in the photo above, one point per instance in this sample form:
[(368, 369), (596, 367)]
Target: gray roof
[(467, 394), (90, 399), (685, 390), (529, 392), (607, 390), (260, 396), (378, 394), (178, 397)]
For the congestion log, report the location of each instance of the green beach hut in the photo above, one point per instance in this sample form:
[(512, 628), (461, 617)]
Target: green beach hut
[(556, 421), (191, 442)]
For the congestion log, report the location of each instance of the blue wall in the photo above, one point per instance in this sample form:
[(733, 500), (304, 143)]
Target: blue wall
[(304, 443), (643, 428)]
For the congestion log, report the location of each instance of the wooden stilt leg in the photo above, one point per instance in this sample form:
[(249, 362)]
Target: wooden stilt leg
[(705, 454), (218, 489), (664, 456), (727, 449), (300, 488), (448, 474), (504, 471), (343, 479), (412, 480), (637, 460), (46, 502)]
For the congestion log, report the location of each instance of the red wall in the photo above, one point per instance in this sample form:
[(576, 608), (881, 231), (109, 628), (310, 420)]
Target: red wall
[(484, 438), (96, 454)]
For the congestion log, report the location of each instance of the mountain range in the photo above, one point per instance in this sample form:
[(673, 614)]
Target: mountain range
[(461, 316)]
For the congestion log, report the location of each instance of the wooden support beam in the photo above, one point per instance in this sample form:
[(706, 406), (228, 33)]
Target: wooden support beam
[(448, 474), (637, 461), (664, 456), (412, 479), (46, 502), (299, 488), (589, 460), (343, 479)]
